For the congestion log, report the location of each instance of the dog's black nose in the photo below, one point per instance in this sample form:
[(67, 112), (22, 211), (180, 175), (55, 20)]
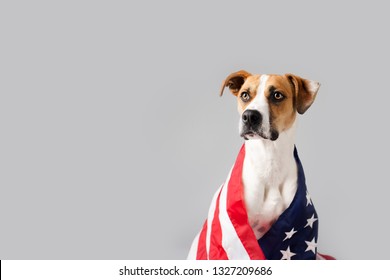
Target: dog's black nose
[(251, 118)]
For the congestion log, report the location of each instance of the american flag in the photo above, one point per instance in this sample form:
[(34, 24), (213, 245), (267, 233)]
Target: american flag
[(226, 234)]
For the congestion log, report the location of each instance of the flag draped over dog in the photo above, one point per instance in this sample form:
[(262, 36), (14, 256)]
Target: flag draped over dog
[(226, 234)]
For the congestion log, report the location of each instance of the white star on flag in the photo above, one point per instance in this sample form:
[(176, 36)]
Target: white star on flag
[(311, 221), (308, 198), (287, 254), (289, 234), (311, 246)]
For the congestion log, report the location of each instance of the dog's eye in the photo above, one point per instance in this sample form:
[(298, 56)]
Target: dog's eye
[(278, 96), (245, 96)]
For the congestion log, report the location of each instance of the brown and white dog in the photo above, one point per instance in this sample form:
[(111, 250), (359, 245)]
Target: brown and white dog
[(268, 105)]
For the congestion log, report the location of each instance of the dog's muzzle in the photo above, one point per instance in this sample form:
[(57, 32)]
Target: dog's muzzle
[(252, 126), (251, 123)]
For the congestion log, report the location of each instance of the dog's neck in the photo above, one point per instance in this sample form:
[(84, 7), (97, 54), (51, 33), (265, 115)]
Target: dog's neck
[(269, 179), (274, 157)]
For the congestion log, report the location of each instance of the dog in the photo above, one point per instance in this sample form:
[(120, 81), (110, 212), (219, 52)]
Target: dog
[(263, 211)]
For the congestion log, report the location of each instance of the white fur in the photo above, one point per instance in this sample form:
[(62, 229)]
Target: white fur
[(314, 86), (269, 172), (269, 178)]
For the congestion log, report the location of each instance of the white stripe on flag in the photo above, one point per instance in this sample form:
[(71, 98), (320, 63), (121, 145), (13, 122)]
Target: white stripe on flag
[(210, 219), (232, 244)]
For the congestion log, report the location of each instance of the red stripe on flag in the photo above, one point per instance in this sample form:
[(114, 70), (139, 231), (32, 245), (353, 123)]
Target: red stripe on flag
[(201, 253), (237, 211), (327, 257), (217, 252)]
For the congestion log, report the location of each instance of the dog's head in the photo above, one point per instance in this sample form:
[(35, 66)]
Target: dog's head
[(268, 103)]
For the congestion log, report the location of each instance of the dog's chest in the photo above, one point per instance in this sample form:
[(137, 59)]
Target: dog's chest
[(269, 185)]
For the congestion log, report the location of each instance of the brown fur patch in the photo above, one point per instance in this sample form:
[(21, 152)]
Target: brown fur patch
[(282, 114), (251, 85), (234, 81), (305, 91)]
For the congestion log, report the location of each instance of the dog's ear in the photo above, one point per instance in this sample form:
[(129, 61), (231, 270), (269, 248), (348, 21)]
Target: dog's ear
[(305, 92), (234, 81)]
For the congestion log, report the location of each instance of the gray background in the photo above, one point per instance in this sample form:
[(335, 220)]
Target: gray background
[(113, 137)]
